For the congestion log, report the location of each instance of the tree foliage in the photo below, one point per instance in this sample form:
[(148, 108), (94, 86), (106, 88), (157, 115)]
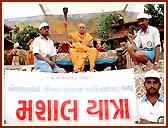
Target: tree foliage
[(104, 21), (157, 13), (23, 36)]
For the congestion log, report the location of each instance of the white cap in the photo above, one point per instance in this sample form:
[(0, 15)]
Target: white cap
[(143, 15), (43, 25), (16, 45), (152, 73)]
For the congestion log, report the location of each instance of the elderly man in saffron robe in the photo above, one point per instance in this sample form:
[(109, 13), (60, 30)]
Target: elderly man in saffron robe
[(82, 47)]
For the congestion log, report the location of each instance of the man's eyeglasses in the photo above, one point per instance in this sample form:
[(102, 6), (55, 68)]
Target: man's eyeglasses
[(82, 27)]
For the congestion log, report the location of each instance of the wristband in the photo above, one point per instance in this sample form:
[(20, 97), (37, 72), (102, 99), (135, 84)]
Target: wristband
[(156, 63)]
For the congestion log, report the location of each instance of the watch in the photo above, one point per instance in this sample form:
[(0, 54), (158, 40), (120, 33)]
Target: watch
[(155, 63)]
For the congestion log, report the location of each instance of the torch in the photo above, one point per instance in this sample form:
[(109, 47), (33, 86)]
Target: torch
[(65, 11)]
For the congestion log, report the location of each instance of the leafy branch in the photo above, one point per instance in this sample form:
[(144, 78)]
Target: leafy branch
[(157, 13), (104, 22), (22, 36)]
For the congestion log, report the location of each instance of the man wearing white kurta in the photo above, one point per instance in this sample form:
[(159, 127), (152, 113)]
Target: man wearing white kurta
[(145, 48), (44, 51)]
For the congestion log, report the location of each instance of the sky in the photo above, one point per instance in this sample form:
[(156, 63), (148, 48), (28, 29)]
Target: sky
[(27, 9)]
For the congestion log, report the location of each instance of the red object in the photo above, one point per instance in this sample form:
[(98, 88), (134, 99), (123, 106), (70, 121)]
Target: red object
[(63, 47), (100, 48)]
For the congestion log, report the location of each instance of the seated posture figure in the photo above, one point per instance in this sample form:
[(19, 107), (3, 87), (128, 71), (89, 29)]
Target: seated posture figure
[(82, 48), (151, 105), (44, 51), (145, 48), (15, 54)]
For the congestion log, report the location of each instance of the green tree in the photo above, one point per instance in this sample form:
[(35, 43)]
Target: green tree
[(104, 22), (23, 36), (157, 13)]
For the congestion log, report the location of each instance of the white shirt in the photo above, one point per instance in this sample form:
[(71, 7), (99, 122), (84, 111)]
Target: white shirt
[(148, 111), (44, 47), (149, 39)]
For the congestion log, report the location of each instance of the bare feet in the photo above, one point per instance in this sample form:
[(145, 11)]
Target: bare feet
[(92, 70), (149, 65), (77, 70), (62, 70), (137, 69)]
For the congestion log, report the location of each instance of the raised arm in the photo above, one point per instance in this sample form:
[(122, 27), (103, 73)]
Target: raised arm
[(66, 30), (129, 38)]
